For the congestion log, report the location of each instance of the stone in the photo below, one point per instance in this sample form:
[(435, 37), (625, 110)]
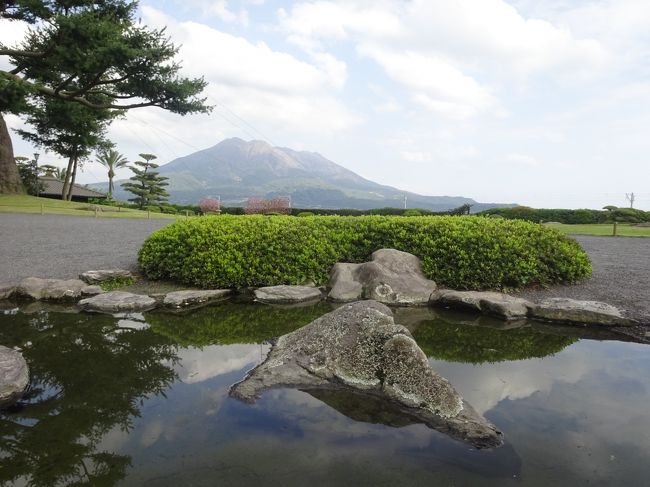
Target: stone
[(287, 294), (359, 347), (182, 299), (391, 277), (567, 310), (493, 303), (99, 276), (50, 289), (91, 291), (6, 291), (14, 376), (117, 302)]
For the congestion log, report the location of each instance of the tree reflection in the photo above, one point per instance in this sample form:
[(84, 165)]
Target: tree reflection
[(452, 340), (230, 323), (90, 374)]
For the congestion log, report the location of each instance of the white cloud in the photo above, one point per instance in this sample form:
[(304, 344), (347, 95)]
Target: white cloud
[(522, 159)]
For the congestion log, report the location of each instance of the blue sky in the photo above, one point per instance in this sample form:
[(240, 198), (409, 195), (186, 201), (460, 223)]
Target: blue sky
[(539, 103)]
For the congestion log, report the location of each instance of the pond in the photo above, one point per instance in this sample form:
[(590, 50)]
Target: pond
[(142, 400)]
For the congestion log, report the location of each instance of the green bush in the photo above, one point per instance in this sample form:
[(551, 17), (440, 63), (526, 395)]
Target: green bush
[(412, 212), (458, 252), (305, 213)]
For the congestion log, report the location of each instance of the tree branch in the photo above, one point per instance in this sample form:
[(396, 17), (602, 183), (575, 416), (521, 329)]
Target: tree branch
[(19, 53)]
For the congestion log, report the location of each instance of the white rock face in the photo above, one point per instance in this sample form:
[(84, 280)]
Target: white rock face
[(14, 376), (287, 294)]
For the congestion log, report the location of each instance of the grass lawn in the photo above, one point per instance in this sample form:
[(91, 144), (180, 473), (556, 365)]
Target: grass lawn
[(32, 204), (623, 230)]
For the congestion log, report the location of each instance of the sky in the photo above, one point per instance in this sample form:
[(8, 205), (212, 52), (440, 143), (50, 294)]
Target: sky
[(545, 104)]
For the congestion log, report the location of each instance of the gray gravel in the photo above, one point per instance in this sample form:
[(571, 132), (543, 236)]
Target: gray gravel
[(621, 275), (65, 246), (56, 246)]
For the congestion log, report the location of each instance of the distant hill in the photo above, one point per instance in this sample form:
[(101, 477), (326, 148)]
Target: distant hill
[(236, 169)]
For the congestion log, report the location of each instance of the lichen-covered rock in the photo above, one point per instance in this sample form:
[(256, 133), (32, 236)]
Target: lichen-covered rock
[(14, 376), (359, 346), (51, 289), (392, 277), (103, 275), (579, 312), (488, 302), (117, 302), (193, 298), (287, 294)]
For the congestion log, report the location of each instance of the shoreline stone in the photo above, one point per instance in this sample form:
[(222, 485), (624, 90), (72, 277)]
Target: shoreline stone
[(565, 310), (117, 302), (194, 298), (287, 294), (14, 376), (391, 277), (36, 288), (493, 303), (103, 275)]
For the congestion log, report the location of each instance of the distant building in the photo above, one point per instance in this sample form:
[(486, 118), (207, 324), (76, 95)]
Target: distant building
[(53, 187)]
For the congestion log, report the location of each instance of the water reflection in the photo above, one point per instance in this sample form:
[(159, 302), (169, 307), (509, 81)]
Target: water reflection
[(88, 376)]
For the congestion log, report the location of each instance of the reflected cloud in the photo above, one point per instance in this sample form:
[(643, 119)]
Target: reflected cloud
[(200, 364)]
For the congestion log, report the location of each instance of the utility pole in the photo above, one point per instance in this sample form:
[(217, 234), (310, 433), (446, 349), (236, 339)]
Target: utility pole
[(630, 198)]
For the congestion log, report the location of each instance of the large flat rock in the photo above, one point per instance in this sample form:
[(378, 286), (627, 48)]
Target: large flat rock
[(359, 346), (54, 289), (193, 298), (117, 302), (287, 294), (573, 311), (391, 277), (14, 376), (493, 303)]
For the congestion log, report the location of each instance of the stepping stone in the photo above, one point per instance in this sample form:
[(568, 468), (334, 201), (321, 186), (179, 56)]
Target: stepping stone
[(53, 289), (99, 276), (493, 303)]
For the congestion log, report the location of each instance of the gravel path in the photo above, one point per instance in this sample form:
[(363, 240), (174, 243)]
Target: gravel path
[(64, 246), (58, 246), (621, 275)]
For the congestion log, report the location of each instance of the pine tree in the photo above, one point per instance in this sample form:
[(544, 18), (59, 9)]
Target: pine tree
[(146, 185)]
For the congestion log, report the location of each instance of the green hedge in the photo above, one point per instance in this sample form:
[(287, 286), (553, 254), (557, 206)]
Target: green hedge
[(458, 252), (570, 217)]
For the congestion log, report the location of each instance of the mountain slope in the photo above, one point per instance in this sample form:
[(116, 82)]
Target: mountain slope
[(236, 169)]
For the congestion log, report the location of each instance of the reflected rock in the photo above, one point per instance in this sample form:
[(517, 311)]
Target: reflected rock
[(359, 347)]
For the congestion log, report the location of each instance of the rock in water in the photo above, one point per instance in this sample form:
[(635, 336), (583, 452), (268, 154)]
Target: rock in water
[(359, 346), (392, 277), (565, 310), (493, 303), (14, 376)]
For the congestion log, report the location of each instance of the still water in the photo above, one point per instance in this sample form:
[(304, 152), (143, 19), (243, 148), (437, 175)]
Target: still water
[(141, 400)]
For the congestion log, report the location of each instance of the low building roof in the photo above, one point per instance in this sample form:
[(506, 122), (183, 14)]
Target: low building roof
[(54, 186)]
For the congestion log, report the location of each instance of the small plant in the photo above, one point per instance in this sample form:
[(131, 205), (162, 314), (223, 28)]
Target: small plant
[(210, 206), (116, 283)]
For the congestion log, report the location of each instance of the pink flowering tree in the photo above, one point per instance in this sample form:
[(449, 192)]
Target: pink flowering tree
[(210, 205)]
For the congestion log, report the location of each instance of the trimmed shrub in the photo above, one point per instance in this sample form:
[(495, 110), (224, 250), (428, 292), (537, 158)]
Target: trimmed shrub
[(458, 252), (412, 212), (305, 213)]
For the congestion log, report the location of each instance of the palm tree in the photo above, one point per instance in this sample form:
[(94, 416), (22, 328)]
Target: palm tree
[(112, 160)]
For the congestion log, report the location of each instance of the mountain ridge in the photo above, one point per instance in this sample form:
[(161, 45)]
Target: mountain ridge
[(235, 169)]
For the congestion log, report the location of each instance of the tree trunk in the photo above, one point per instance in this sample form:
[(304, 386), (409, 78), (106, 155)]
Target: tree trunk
[(10, 182), (66, 182), (111, 175), (74, 178)]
